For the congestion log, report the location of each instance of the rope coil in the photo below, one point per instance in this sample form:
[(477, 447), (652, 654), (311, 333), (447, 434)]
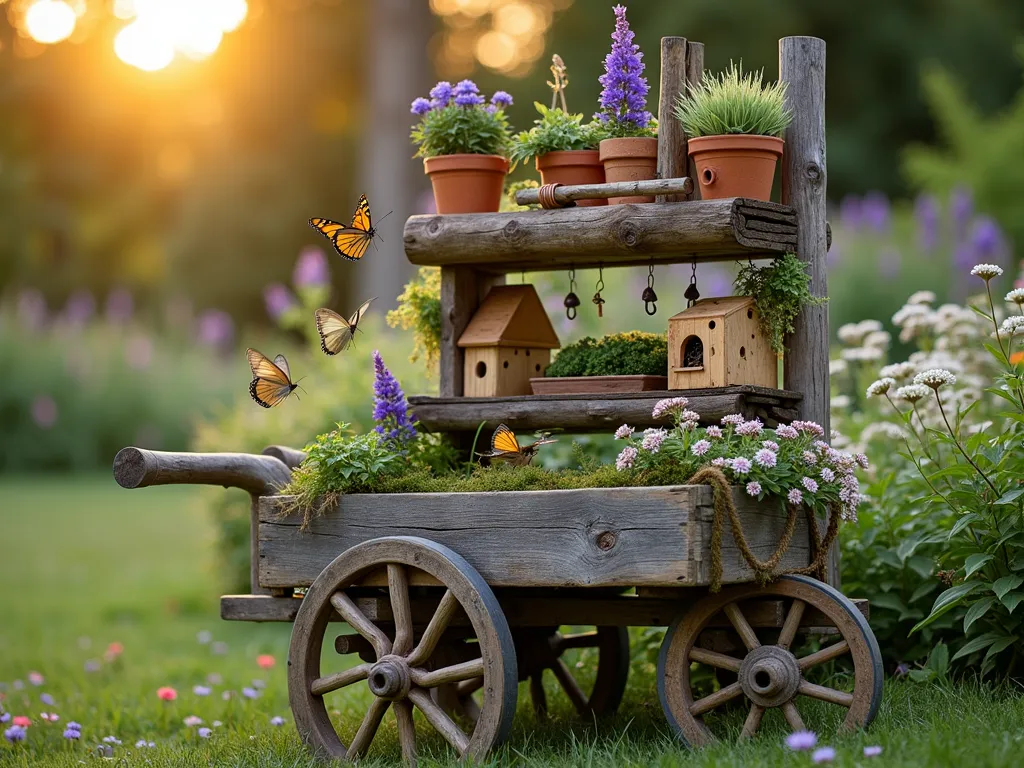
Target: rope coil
[(764, 571), (546, 194)]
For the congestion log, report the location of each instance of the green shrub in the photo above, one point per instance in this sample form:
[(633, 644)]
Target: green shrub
[(419, 311), (734, 103), (556, 131), (620, 354), (780, 290)]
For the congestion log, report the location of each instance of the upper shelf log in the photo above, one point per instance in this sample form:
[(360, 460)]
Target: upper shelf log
[(623, 235)]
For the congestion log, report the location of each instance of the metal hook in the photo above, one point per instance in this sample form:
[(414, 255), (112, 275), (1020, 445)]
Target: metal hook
[(692, 294), (649, 296), (571, 299), (598, 300)]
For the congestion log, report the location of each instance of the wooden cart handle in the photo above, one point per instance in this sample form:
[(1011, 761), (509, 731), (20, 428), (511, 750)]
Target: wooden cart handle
[(259, 475), (565, 195), (290, 456)]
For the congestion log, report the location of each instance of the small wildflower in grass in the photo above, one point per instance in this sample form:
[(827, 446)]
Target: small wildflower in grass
[(623, 432), (219, 648), (47, 699), (203, 637), (35, 678), (216, 723), (226, 695), (74, 726), (92, 665), (71, 734), (50, 717), (259, 684), (795, 496), (5, 717), (277, 720), (715, 433), (192, 721), (112, 740), (143, 744), (986, 271), (872, 751), (14, 734), (22, 722), (214, 679), (201, 690), (753, 488), (250, 693), (824, 755), (700, 447), (935, 378), (166, 693), (17, 685), (799, 741), (204, 733), (1016, 296), (114, 650)]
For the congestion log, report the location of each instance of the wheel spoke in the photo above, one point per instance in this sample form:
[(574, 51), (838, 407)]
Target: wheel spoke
[(753, 721), (456, 673), (739, 623), (468, 687), (571, 687), (791, 624), (398, 587), (825, 654), (357, 620), (537, 695), (793, 716), (406, 731), (368, 728), (714, 659), (439, 720), (716, 699), (329, 683), (562, 643), (831, 695), (432, 634)]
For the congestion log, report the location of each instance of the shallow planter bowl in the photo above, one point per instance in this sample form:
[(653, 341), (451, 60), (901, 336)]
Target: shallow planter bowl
[(735, 165), (467, 183), (629, 159), (581, 385), (571, 167)]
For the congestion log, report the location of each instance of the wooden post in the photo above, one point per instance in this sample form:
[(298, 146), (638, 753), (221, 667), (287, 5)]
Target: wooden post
[(682, 62), (802, 68), (254, 547)]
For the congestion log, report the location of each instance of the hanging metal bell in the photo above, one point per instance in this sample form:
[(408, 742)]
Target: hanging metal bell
[(649, 296), (571, 300)]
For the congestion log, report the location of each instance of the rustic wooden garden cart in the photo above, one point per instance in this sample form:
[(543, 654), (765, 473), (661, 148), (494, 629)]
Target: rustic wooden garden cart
[(456, 598)]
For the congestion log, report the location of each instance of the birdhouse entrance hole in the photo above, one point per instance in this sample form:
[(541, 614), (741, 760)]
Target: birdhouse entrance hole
[(481, 369), (692, 352)]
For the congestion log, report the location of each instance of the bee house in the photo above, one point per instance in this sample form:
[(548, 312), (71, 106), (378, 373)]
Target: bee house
[(716, 343), (507, 341)]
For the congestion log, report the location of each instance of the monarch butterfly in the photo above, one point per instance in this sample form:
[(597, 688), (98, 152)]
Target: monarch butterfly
[(271, 380), (505, 447), (336, 333), (352, 241)]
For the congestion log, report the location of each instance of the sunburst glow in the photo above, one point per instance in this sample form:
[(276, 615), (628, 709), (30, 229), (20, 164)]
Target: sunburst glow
[(164, 28), (50, 21)]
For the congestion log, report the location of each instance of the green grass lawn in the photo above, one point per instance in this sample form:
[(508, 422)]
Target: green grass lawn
[(84, 564)]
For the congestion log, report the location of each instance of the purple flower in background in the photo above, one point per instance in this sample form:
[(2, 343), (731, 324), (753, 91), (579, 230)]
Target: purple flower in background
[(277, 720), (961, 208), (92, 665), (501, 99), (138, 352), (390, 410), (47, 699), (5, 717), (801, 740), (824, 755), (216, 328), (889, 263), (875, 211), (624, 88), (441, 94), (31, 309), (850, 212), (71, 734), (987, 240), (204, 733), (14, 734), (872, 751), (311, 268), (250, 693), (420, 106), (464, 87), (278, 300), (120, 306), (469, 99), (201, 690), (44, 411), (926, 214), (80, 308)]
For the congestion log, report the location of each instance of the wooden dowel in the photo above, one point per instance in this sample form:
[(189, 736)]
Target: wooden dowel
[(260, 475), (569, 193)]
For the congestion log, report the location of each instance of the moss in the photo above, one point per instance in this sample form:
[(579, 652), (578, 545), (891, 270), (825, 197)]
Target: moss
[(619, 354)]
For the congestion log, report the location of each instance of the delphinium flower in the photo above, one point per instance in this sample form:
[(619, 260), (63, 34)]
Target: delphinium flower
[(623, 432), (799, 741), (669, 406), (823, 755), (653, 438), (166, 693), (700, 447), (753, 488), (624, 88), (626, 458), (390, 410)]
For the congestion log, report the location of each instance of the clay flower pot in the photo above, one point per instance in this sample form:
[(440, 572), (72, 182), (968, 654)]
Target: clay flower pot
[(735, 165), (467, 183), (577, 166), (630, 159)]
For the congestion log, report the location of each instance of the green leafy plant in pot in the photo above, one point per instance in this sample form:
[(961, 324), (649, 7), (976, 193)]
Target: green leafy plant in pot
[(464, 142), (564, 148), (734, 123)]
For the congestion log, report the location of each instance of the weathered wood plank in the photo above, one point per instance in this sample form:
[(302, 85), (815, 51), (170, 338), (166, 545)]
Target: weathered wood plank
[(694, 73), (566, 194), (671, 138), (622, 235), (590, 537), (597, 413)]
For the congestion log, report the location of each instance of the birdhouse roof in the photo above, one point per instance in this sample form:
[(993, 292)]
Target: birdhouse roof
[(510, 316), (715, 307)]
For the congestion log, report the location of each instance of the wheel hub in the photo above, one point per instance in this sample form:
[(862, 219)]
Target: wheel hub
[(389, 678), (769, 675)]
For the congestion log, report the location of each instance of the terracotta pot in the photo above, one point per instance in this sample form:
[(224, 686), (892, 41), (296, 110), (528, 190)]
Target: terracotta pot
[(467, 183), (735, 165), (632, 159), (577, 166)]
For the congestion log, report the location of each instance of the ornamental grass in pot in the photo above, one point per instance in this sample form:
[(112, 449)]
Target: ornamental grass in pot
[(630, 151), (464, 143), (734, 123)]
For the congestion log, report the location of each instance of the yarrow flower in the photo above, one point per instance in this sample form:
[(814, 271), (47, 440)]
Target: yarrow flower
[(700, 447), (653, 438), (880, 387), (733, 419), (626, 458), (624, 89), (786, 432), (669, 406), (986, 271), (935, 378), (795, 496), (810, 484), (801, 740), (753, 488), (766, 458), (823, 755), (623, 432), (390, 409), (912, 393), (750, 428), (1012, 325), (1015, 296), (740, 465), (921, 297)]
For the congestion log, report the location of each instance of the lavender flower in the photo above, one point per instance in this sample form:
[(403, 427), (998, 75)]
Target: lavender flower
[(311, 268), (216, 328), (201, 690), (824, 755), (653, 438), (786, 432), (740, 465), (801, 740), (420, 106), (701, 447), (501, 99), (795, 496), (624, 89), (250, 693), (987, 239), (626, 458), (390, 409), (441, 94), (47, 699), (766, 458), (875, 211), (926, 213), (5, 717), (753, 488), (623, 432), (961, 206), (810, 484)]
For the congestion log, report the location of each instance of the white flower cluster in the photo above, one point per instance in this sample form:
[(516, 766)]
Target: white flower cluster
[(986, 271), (935, 378), (881, 386), (1012, 325)]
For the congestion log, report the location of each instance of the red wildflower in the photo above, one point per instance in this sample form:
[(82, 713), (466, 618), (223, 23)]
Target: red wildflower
[(265, 661), (22, 721), (167, 693)]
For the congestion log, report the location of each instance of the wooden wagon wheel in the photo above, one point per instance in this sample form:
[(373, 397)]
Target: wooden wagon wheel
[(768, 676), (402, 674)]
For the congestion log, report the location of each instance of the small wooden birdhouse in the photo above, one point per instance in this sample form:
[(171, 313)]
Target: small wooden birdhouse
[(507, 341), (716, 343)]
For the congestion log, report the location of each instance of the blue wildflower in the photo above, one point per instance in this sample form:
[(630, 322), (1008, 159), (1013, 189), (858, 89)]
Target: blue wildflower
[(501, 99), (441, 94), (390, 410), (624, 94), (465, 87), (420, 106), (71, 734), (469, 99), (15, 734)]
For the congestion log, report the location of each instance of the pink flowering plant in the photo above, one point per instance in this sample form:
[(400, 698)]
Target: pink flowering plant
[(790, 462)]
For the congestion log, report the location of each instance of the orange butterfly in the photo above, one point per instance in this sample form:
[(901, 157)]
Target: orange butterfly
[(352, 241), (271, 380), (505, 447)]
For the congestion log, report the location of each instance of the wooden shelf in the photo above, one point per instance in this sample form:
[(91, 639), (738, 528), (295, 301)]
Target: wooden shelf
[(614, 235), (599, 413)]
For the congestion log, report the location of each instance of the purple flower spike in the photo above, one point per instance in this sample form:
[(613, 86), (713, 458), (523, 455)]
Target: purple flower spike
[(216, 328), (501, 99), (420, 106), (390, 410), (987, 239), (875, 210), (926, 213), (278, 300), (311, 269), (624, 88), (441, 94), (961, 207), (801, 740)]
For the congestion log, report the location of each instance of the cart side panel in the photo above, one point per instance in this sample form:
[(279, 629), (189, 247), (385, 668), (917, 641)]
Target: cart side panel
[(607, 537)]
